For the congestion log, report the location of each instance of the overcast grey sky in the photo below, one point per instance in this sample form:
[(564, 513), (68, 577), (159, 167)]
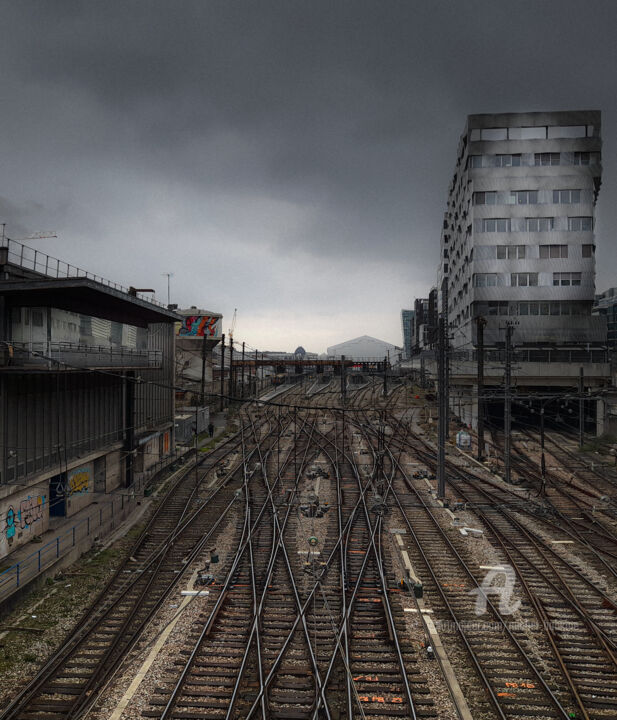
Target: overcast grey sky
[(290, 159)]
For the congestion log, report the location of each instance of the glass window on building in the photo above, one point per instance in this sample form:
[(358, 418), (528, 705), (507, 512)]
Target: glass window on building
[(508, 160), (527, 133), (524, 197), (566, 197), (547, 158), (496, 225), (553, 251), (485, 198), (524, 279), (540, 224), (588, 250), (494, 134), (565, 279), (510, 252), (580, 224), (567, 131)]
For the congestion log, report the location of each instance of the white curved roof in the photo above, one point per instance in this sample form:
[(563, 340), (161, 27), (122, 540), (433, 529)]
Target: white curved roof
[(362, 347)]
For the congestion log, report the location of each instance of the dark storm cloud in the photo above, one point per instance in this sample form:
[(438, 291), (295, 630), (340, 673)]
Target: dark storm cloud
[(321, 129)]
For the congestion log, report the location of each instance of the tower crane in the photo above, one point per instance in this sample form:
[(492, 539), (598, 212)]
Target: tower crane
[(42, 235), (233, 326)]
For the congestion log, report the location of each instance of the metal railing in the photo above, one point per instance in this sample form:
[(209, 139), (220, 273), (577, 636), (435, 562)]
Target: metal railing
[(56, 354), (49, 266), (102, 520)]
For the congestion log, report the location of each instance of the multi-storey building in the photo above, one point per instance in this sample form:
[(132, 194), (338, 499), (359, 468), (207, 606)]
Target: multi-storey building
[(606, 305), (408, 331), (518, 232), (86, 389), (517, 244), (196, 337), (425, 322)]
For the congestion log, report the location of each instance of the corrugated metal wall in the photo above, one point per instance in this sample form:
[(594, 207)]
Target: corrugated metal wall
[(154, 404), (50, 419)]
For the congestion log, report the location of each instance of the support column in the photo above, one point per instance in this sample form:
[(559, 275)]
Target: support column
[(479, 395), (474, 408), (600, 417), (222, 378)]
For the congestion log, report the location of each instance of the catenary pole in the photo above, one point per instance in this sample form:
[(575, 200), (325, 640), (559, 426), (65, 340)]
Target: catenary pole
[(242, 388), (581, 407), (481, 322), (222, 372), (507, 406), (442, 419)]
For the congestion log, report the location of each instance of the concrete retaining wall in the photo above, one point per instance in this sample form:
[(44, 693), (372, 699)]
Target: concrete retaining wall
[(24, 514)]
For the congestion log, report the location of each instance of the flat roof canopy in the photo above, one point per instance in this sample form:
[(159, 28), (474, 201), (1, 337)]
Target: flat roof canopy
[(86, 296)]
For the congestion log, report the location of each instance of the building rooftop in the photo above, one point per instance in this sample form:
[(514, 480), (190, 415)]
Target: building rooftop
[(44, 281)]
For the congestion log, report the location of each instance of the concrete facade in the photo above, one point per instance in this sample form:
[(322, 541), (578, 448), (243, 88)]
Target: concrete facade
[(86, 373), (517, 248), (518, 239), (407, 331), (24, 514)]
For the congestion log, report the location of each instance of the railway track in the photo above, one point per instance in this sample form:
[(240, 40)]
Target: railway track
[(573, 618), (182, 526), (307, 616)]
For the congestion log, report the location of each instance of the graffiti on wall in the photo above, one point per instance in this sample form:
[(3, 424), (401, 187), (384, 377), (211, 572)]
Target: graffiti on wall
[(200, 326), (79, 481), (30, 511)]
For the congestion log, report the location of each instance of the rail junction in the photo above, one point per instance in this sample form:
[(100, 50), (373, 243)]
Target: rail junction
[(306, 569)]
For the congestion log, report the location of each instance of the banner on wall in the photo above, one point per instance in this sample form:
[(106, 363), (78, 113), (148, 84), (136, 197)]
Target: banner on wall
[(199, 326)]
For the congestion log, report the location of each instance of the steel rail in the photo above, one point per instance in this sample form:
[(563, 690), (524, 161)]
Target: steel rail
[(206, 629), (472, 479), (549, 693), (601, 636), (543, 548), (326, 567), (374, 530), (278, 534), (88, 624)]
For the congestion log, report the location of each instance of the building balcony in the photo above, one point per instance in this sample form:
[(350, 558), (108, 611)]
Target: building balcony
[(55, 356)]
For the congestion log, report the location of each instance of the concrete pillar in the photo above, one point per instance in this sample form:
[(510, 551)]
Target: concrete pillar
[(473, 408), (600, 417)]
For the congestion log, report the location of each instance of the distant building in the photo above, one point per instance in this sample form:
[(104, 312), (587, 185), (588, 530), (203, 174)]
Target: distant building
[(606, 305), (364, 347), (299, 354), (425, 322), (407, 330), (197, 334), (86, 389)]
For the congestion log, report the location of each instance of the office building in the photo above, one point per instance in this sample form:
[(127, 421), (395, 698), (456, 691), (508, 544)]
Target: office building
[(407, 331), (517, 244)]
